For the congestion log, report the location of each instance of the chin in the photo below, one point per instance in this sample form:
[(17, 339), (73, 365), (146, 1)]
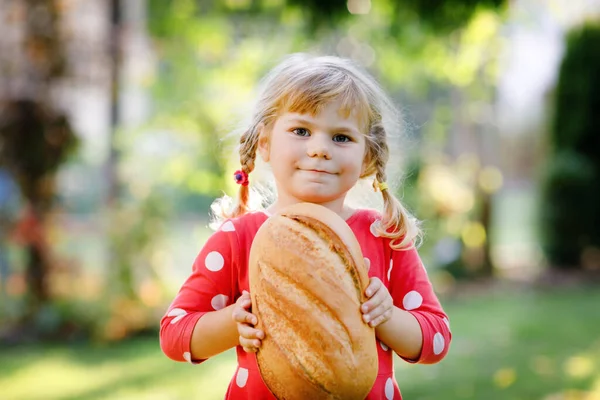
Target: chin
[(317, 198)]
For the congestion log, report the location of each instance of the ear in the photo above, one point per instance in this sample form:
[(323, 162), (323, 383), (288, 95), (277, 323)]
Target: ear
[(263, 142)]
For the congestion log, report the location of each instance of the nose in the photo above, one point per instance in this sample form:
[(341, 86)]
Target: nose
[(318, 146)]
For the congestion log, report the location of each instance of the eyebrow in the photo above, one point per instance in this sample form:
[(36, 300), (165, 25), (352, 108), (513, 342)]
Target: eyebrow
[(341, 129)]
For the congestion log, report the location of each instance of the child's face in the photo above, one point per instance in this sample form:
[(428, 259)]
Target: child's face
[(314, 158)]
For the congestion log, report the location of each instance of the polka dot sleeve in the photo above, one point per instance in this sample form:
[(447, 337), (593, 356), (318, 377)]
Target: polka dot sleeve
[(412, 291), (210, 287)]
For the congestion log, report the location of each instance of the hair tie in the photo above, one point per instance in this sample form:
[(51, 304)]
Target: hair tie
[(241, 178), (381, 186)]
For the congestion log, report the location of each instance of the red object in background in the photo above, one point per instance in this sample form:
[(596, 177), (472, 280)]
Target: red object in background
[(29, 229)]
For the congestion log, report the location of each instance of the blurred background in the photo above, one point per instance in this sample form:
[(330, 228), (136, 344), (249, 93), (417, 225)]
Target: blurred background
[(114, 123)]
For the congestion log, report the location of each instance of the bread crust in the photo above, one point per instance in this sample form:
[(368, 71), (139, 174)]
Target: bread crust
[(307, 281)]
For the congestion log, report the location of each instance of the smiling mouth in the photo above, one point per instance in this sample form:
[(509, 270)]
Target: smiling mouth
[(319, 171)]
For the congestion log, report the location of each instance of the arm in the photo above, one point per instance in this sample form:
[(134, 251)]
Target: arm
[(214, 333), (408, 316), (413, 294), (198, 323), (402, 333), (394, 326), (221, 330)]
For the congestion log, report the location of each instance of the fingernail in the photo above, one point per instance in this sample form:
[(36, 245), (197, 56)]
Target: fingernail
[(365, 308), (366, 318), (369, 292)]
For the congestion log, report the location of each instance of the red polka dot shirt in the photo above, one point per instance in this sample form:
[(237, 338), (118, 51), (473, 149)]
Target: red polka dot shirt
[(220, 274)]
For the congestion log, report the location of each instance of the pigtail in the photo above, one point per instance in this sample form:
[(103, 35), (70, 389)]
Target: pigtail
[(222, 208), (397, 223), (248, 146)]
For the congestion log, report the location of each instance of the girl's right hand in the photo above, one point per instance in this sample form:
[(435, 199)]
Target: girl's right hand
[(250, 337)]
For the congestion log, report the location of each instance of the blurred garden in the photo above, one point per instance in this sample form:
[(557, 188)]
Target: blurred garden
[(115, 138)]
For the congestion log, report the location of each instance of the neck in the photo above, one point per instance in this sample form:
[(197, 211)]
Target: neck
[(336, 206)]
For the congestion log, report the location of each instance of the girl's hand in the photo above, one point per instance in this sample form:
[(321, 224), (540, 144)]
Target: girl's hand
[(378, 309), (250, 338)]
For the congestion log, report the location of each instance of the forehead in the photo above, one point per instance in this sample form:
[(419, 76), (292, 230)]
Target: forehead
[(333, 112), (345, 99)]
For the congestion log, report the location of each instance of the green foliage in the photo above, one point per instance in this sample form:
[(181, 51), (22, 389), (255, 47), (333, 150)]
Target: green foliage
[(570, 216), (437, 16), (577, 106), (444, 15), (568, 208)]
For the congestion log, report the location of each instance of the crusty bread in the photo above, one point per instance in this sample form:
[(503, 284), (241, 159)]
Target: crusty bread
[(307, 281)]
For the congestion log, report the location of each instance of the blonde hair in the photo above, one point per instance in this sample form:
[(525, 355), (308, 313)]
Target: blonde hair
[(303, 83)]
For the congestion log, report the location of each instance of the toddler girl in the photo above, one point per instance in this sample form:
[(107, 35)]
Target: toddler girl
[(322, 124)]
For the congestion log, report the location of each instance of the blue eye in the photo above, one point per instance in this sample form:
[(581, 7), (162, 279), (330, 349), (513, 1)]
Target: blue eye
[(341, 139), (301, 132)]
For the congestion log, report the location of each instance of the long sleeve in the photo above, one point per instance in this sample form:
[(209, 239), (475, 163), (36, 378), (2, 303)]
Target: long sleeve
[(211, 286), (412, 291)]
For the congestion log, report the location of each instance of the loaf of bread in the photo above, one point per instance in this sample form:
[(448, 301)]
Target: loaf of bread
[(307, 282)]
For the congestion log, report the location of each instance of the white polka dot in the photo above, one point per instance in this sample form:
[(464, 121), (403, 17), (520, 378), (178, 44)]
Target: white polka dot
[(389, 389), (374, 227), (367, 263), (412, 300), (438, 343), (228, 227), (178, 313), (187, 356), (219, 301), (446, 322), (241, 377), (390, 270), (214, 261), (384, 346)]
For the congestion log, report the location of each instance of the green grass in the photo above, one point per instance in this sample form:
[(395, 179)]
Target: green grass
[(510, 345)]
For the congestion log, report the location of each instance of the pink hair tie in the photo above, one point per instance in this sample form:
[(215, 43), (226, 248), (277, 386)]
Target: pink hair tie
[(241, 178)]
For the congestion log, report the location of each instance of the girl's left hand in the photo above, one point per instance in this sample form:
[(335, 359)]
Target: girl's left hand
[(378, 309)]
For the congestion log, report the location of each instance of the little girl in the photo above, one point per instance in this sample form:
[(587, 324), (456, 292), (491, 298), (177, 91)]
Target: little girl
[(321, 123)]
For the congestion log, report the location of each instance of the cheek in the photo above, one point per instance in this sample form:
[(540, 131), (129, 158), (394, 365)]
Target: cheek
[(283, 155)]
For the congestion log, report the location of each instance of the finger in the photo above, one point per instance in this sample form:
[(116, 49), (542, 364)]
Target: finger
[(373, 287), (370, 305), (251, 319), (243, 316), (249, 332), (375, 313), (374, 306), (381, 319), (249, 346), (244, 303), (244, 298), (367, 263), (250, 343), (380, 297)]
